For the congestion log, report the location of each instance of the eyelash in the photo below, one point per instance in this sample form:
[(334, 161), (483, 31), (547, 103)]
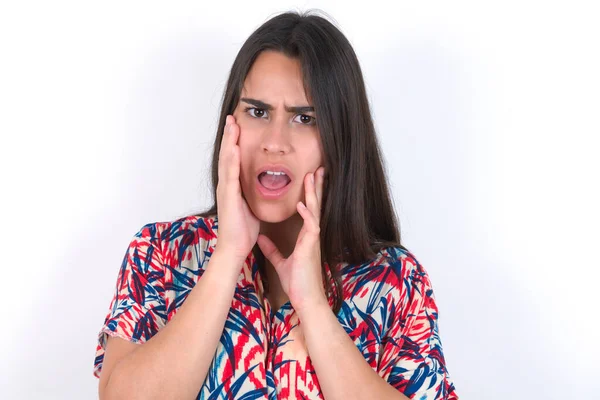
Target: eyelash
[(313, 119)]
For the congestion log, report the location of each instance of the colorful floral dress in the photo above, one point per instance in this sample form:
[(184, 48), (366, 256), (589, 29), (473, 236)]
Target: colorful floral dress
[(389, 312)]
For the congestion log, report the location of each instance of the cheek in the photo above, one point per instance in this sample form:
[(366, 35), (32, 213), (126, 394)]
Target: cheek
[(313, 154), (247, 151)]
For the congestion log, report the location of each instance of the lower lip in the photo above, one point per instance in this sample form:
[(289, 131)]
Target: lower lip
[(272, 194)]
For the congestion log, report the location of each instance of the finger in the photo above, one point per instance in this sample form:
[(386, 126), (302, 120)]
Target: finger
[(319, 179), (311, 224), (233, 167), (270, 251), (310, 194), (223, 152), (229, 152)]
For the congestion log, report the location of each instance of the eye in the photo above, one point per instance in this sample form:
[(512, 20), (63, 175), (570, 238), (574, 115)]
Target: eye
[(307, 119), (258, 112)]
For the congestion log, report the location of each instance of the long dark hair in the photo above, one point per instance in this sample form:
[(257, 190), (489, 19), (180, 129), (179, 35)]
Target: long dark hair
[(357, 215)]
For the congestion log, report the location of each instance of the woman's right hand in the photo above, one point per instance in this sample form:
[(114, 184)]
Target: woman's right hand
[(238, 226)]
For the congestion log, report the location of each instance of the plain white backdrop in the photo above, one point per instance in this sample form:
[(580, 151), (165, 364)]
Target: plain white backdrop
[(488, 115)]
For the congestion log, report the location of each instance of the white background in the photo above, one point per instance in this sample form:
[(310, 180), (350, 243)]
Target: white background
[(488, 115)]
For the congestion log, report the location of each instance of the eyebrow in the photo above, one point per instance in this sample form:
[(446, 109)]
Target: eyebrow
[(265, 106)]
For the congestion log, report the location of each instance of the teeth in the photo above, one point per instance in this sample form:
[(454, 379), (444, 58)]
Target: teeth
[(274, 173)]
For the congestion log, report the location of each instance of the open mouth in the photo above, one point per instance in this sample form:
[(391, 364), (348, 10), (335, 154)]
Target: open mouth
[(273, 180)]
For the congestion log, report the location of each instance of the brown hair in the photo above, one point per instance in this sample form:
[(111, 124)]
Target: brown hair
[(357, 216)]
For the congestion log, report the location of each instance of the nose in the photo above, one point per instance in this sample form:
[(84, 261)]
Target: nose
[(276, 138)]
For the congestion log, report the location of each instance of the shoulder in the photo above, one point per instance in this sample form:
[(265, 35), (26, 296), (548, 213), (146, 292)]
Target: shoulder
[(394, 274), (187, 231), (180, 239), (408, 272), (182, 231), (392, 265), (401, 261)]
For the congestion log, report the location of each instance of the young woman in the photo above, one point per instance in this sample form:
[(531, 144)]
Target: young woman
[(294, 284)]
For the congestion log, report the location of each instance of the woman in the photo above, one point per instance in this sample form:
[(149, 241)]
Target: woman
[(328, 303)]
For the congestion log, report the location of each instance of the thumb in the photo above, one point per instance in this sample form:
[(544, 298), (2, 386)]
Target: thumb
[(270, 251)]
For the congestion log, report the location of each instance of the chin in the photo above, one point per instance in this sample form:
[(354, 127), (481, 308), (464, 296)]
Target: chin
[(272, 212)]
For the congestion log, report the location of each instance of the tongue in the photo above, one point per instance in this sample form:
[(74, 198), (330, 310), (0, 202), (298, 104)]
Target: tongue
[(273, 182)]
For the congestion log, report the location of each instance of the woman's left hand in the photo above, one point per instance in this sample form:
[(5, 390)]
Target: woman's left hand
[(300, 273)]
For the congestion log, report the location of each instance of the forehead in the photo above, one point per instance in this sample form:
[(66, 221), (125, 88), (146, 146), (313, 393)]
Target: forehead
[(275, 77)]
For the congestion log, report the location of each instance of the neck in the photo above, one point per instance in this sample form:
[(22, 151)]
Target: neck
[(283, 234)]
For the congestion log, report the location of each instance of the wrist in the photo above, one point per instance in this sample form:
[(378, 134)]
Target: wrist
[(229, 253), (307, 310), (226, 262)]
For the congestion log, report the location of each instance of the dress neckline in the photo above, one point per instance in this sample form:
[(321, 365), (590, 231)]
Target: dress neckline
[(285, 308)]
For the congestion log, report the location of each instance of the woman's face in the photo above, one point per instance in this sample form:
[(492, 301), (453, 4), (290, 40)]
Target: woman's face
[(274, 138)]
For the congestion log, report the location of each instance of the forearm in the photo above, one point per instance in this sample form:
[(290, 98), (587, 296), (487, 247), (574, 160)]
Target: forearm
[(342, 370), (174, 362)]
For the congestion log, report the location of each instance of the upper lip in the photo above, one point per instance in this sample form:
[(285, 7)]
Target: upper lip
[(275, 168)]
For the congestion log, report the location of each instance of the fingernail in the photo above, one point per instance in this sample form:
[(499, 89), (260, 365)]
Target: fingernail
[(322, 172), (227, 119), (312, 178)]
